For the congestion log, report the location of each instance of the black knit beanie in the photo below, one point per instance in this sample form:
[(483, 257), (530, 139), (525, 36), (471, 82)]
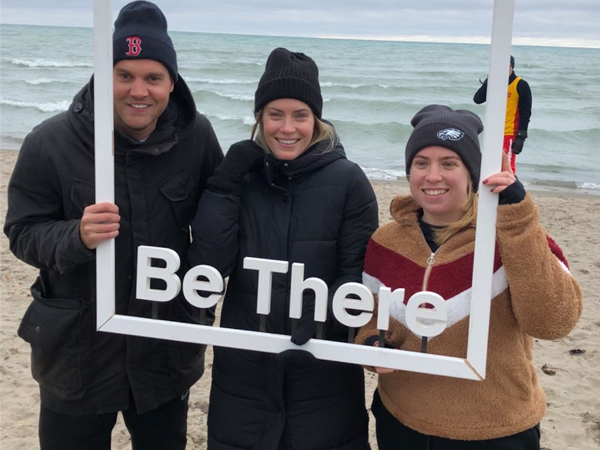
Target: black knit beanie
[(456, 130), (289, 75), (512, 61), (141, 33)]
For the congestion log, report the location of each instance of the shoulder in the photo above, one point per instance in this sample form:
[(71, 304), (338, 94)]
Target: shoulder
[(523, 85), (202, 135), (348, 170), (46, 134), (354, 177), (53, 125), (202, 121)]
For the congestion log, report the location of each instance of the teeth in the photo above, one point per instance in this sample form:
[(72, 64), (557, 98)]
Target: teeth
[(435, 191), (288, 141), (136, 106)]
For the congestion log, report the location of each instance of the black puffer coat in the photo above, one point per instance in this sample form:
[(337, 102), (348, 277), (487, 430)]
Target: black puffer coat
[(319, 210), (158, 184)]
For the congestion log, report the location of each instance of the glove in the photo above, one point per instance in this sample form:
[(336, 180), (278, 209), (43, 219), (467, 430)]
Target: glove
[(242, 158), (306, 325), (517, 145), (514, 193)]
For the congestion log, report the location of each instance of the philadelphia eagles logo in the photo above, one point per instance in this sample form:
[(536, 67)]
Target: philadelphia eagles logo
[(450, 134)]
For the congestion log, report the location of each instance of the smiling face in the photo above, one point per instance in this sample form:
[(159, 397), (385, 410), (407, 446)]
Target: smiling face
[(288, 126), (439, 182), (141, 94)]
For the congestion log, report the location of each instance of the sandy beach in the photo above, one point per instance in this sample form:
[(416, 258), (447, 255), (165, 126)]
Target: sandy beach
[(572, 384)]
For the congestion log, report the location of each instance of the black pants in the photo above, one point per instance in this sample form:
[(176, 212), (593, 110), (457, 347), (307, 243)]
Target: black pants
[(393, 435), (164, 428)]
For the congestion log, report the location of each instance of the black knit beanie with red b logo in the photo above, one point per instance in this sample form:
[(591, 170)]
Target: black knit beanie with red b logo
[(141, 33)]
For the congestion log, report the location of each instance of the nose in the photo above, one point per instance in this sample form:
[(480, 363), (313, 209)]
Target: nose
[(434, 174), (139, 89), (288, 125)]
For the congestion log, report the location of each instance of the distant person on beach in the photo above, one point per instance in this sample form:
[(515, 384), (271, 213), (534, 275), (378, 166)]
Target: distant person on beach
[(164, 152), (429, 247), (291, 194), (518, 112)]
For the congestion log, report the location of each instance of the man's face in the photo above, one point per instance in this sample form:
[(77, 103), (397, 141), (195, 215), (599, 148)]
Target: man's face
[(141, 94)]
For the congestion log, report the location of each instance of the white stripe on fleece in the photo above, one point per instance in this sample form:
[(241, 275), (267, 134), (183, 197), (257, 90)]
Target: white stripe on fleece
[(372, 283), (563, 265), (458, 307)]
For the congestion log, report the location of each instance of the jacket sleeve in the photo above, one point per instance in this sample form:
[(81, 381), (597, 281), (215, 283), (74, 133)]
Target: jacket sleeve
[(546, 299), (525, 103), (215, 231), (481, 94), (37, 230), (360, 221)]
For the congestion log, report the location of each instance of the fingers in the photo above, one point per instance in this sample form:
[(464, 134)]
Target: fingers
[(102, 207), (99, 223), (501, 180), (382, 370), (506, 163)]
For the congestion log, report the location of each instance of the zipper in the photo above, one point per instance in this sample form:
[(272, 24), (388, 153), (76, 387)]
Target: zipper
[(430, 263)]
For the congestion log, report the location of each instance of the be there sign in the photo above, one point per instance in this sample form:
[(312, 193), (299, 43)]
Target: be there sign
[(349, 297), (207, 279)]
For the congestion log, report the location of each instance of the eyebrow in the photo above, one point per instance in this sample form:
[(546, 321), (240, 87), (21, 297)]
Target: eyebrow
[(151, 74), (443, 157), (281, 110)]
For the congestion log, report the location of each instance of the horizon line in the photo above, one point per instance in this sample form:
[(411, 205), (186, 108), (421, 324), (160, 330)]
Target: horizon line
[(478, 40)]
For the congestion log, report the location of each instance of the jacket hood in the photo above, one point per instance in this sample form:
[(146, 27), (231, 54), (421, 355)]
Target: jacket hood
[(176, 121), (404, 208)]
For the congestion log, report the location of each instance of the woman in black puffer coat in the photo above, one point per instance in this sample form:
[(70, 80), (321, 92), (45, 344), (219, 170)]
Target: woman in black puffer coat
[(290, 195)]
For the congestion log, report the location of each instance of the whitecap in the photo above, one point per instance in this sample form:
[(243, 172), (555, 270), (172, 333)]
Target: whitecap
[(44, 107), (37, 81), (589, 186), (47, 63), (224, 81), (374, 173)]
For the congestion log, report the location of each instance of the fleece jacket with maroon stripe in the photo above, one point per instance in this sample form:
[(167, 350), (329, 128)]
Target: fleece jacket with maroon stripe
[(533, 296)]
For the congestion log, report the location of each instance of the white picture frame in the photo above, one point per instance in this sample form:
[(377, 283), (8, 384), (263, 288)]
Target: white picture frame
[(472, 367)]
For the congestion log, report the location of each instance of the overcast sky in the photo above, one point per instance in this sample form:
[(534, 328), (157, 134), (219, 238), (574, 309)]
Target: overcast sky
[(537, 22)]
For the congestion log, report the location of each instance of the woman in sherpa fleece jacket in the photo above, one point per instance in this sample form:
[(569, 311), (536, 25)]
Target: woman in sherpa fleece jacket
[(430, 247)]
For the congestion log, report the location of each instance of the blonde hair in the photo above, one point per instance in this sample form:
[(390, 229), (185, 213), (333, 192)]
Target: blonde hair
[(468, 218), (322, 132)]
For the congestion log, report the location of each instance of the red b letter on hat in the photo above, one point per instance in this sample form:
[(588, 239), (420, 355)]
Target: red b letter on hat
[(135, 46)]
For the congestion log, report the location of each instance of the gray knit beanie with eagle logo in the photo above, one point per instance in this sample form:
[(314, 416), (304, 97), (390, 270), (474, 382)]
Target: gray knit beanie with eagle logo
[(457, 130)]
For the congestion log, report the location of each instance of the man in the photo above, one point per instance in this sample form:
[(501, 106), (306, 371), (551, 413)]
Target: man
[(518, 112), (164, 152)]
